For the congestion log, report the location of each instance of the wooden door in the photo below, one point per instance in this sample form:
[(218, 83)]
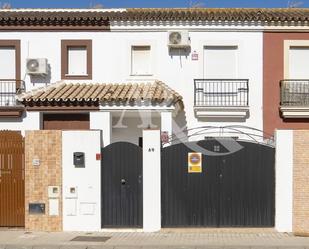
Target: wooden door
[(12, 179)]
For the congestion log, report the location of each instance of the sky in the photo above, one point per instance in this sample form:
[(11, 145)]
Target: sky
[(151, 3)]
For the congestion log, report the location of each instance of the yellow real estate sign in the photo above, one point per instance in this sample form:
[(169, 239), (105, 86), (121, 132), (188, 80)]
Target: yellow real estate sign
[(194, 162)]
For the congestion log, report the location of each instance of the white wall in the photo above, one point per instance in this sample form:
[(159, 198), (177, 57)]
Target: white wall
[(284, 180), (81, 211), (151, 180), (111, 61), (102, 121), (130, 128), (29, 121)]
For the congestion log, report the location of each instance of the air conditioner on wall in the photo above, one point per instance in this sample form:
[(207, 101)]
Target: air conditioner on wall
[(178, 39), (37, 66)]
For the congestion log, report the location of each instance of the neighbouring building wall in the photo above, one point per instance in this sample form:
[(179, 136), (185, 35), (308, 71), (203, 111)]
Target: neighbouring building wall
[(292, 181), (273, 73), (43, 168), (301, 183)]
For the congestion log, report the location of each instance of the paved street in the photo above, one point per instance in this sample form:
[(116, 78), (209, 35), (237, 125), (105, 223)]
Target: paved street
[(186, 239)]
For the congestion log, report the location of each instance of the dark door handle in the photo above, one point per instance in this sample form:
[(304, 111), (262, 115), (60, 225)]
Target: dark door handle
[(123, 182), (139, 179)]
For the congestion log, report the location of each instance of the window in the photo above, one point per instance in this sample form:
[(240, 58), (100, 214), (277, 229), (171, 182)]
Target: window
[(299, 63), (220, 62), (140, 60), (76, 59), (7, 63), (10, 59)]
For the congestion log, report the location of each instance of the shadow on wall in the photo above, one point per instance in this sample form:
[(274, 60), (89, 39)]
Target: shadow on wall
[(223, 120), (41, 79), (179, 52), (14, 120), (180, 128)]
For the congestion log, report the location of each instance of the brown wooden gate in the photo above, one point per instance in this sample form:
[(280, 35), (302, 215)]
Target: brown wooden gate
[(12, 180)]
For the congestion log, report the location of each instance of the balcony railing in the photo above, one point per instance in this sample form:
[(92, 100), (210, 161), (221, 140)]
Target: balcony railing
[(294, 93), (221, 92), (8, 90)]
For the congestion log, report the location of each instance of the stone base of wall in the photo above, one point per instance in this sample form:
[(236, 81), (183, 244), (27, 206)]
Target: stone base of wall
[(301, 183), (43, 168)]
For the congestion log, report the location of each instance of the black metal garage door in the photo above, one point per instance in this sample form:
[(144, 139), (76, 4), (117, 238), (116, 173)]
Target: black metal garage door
[(122, 187), (233, 190)]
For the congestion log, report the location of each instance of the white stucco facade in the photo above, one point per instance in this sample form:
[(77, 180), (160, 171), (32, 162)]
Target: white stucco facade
[(81, 184), (111, 62), (284, 181)]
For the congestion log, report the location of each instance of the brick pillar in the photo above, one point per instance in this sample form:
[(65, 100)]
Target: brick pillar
[(301, 183), (43, 168)]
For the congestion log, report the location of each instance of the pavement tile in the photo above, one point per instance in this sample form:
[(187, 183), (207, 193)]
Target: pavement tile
[(46, 247), (264, 247), (127, 247), (17, 247), (173, 247), (209, 247), (100, 247), (236, 247), (73, 247), (291, 247)]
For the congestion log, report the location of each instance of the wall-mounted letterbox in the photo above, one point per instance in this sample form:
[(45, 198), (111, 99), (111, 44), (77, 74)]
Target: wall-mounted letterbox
[(53, 191), (36, 208), (79, 159), (71, 192)]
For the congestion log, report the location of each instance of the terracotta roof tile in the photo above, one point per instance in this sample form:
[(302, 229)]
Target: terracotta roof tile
[(156, 92), (90, 18), (214, 14)]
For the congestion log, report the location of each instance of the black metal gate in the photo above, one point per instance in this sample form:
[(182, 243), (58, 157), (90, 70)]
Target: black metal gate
[(235, 189), (122, 187)]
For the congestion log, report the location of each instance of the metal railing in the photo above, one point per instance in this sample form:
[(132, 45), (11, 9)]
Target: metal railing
[(294, 92), (8, 90), (221, 92)]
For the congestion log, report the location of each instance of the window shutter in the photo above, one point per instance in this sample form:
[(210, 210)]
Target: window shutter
[(220, 62), (140, 64), (7, 63), (77, 61), (299, 63)]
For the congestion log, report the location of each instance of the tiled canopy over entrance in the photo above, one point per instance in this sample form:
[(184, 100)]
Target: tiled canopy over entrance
[(94, 94)]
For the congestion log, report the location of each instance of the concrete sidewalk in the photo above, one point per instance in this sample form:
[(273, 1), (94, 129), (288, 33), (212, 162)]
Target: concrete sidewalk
[(186, 239)]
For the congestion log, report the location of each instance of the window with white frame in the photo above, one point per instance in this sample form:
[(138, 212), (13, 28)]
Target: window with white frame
[(140, 60), (299, 62), (220, 62), (77, 61)]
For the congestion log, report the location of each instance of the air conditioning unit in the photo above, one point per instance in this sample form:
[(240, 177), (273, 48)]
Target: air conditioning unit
[(178, 39), (37, 66)]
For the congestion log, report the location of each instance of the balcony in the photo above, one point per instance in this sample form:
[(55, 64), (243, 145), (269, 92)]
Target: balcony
[(294, 98), (9, 106), (221, 98)]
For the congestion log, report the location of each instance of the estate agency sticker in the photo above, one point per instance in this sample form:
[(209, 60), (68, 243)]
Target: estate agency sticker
[(194, 162)]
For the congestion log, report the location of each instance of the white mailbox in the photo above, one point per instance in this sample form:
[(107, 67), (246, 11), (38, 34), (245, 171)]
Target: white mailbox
[(53, 207), (71, 192), (53, 191)]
